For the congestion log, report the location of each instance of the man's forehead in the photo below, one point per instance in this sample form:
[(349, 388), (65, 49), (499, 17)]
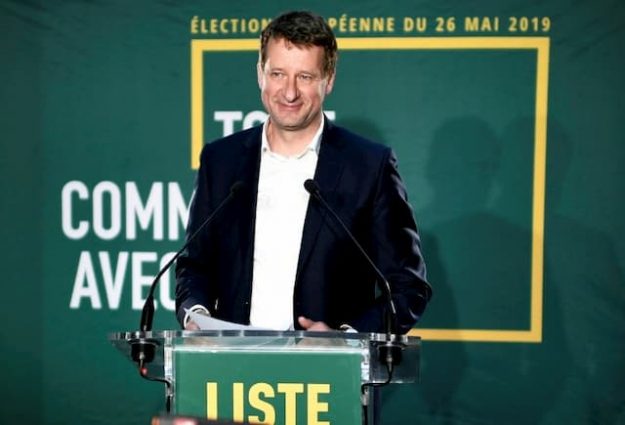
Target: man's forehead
[(289, 45), (312, 57)]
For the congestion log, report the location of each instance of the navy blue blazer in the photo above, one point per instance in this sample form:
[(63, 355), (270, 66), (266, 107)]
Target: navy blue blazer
[(334, 284)]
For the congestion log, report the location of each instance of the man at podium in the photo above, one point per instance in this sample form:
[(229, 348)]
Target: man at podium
[(280, 207)]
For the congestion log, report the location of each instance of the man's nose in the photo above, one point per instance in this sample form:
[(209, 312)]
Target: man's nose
[(291, 92)]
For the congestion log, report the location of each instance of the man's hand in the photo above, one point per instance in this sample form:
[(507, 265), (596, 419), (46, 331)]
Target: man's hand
[(311, 325), (191, 326)]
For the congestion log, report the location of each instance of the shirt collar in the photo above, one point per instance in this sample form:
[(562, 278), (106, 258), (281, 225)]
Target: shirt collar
[(312, 146)]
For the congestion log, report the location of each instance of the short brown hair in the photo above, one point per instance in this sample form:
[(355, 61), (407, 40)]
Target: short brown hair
[(302, 29)]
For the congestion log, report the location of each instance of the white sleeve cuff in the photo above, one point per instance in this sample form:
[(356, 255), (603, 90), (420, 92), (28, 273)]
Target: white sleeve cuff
[(347, 329), (198, 308)]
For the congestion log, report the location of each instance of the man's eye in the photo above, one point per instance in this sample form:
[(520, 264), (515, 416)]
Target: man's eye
[(306, 77), (276, 74)]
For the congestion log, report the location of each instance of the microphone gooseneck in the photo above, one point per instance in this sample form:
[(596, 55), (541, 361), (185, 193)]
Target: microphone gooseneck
[(147, 315), (312, 187), (143, 350)]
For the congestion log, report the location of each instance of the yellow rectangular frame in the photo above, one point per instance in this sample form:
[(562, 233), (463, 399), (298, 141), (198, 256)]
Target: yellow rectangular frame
[(540, 44)]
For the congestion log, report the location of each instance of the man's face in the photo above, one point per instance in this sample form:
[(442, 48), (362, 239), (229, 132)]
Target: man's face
[(293, 85)]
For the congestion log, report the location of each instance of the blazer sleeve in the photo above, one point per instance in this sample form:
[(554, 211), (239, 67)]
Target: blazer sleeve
[(396, 250), (193, 279)]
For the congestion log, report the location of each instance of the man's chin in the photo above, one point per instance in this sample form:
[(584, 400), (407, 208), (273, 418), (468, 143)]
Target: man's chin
[(293, 123), (290, 125)]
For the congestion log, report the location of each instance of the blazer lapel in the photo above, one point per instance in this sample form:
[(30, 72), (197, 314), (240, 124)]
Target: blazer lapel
[(249, 163), (327, 175), (247, 172)]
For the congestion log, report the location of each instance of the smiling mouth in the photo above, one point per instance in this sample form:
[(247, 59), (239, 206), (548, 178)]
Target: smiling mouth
[(290, 107)]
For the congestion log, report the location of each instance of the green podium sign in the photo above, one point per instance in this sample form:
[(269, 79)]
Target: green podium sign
[(289, 386)]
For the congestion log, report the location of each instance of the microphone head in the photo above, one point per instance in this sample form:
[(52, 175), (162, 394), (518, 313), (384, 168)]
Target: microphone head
[(237, 187), (311, 187)]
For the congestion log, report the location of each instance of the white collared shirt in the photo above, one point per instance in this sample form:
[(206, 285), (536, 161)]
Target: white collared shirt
[(280, 213)]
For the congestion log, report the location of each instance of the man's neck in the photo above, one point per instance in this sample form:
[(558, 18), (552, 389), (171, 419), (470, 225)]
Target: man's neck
[(289, 143)]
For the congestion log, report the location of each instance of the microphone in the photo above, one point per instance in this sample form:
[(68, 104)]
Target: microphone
[(142, 349), (390, 352)]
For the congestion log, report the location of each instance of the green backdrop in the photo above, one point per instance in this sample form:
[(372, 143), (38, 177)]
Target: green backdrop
[(507, 118)]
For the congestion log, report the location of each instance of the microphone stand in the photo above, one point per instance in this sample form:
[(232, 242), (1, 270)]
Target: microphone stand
[(143, 349), (390, 351)]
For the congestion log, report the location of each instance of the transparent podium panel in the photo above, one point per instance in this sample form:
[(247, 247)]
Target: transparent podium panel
[(271, 376)]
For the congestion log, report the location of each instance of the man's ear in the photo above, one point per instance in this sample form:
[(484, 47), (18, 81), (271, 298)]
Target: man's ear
[(259, 75), (330, 84)]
